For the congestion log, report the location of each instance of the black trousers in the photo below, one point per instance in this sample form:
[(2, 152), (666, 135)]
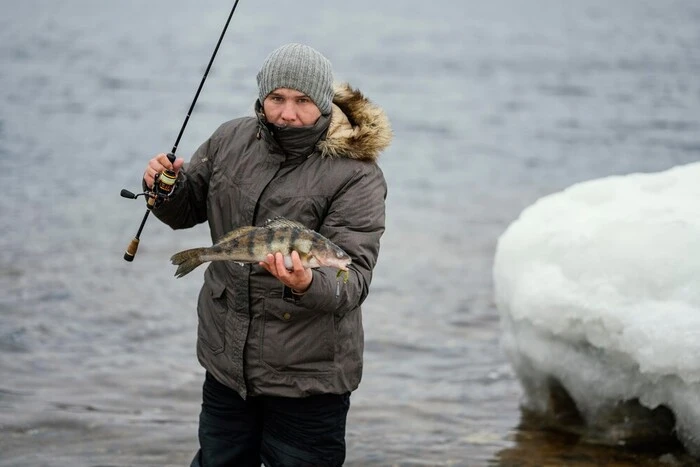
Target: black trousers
[(275, 431)]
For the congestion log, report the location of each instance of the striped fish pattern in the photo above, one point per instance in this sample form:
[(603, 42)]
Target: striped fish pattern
[(251, 244)]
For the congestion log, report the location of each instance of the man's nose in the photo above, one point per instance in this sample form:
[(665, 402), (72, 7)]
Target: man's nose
[(289, 112)]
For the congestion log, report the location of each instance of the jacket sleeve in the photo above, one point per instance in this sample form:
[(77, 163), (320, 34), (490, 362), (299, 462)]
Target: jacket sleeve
[(355, 222), (188, 205)]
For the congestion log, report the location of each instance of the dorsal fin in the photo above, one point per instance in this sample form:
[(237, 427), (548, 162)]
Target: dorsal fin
[(278, 222), (235, 233)]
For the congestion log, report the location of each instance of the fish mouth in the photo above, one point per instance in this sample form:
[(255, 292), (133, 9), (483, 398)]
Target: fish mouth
[(340, 266), (343, 266)]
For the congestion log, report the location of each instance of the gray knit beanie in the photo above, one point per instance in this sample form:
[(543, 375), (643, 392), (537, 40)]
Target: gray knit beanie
[(300, 67)]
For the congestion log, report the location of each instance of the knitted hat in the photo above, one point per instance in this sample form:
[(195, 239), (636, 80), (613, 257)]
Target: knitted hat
[(299, 67)]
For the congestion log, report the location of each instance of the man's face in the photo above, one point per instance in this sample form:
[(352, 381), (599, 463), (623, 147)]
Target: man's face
[(288, 107)]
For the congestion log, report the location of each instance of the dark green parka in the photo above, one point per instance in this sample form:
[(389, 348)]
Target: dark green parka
[(253, 335)]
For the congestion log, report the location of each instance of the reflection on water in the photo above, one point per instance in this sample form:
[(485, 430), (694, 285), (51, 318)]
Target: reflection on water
[(536, 447), (493, 105)]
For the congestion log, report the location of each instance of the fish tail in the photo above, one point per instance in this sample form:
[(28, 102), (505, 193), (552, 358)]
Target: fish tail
[(187, 260)]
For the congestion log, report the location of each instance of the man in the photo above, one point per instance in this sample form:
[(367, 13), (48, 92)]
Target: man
[(283, 348)]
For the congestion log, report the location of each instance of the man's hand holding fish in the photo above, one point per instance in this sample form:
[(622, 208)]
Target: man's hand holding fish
[(298, 278)]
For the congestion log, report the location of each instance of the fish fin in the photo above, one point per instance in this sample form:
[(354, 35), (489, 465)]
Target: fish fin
[(235, 234), (278, 222), (347, 275), (187, 260)]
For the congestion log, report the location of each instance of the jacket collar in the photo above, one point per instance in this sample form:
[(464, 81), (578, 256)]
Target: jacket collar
[(296, 143), (358, 128)]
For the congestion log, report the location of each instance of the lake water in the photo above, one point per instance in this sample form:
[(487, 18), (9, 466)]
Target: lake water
[(494, 104)]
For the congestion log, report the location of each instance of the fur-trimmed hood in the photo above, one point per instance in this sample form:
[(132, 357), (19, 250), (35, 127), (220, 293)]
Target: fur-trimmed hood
[(358, 129)]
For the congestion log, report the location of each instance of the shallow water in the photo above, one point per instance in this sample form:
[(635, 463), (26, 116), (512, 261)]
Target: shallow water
[(494, 104)]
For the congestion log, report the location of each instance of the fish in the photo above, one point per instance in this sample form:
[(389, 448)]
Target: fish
[(250, 244)]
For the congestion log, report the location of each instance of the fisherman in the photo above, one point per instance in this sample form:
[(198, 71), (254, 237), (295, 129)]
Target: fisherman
[(282, 348)]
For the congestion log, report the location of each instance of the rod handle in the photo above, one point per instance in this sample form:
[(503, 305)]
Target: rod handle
[(131, 250)]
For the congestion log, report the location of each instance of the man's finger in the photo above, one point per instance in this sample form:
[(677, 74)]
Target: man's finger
[(296, 261), (269, 263), (277, 263)]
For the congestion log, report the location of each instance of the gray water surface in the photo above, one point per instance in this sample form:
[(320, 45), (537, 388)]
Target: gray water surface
[(493, 104)]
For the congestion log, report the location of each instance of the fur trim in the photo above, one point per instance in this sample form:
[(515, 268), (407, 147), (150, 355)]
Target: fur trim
[(358, 130)]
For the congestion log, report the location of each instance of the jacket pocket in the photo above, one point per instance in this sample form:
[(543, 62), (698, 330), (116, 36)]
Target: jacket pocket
[(296, 341), (212, 310)]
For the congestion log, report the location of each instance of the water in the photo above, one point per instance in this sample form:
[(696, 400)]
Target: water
[(494, 104)]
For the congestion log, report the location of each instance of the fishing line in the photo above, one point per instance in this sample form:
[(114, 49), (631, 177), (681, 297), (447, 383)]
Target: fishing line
[(204, 77), (163, 183)]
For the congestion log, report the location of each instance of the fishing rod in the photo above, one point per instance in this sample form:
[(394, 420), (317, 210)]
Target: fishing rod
[(164, 182)]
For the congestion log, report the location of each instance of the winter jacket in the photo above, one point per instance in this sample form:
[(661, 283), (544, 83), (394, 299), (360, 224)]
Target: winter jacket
[(253, 334)]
